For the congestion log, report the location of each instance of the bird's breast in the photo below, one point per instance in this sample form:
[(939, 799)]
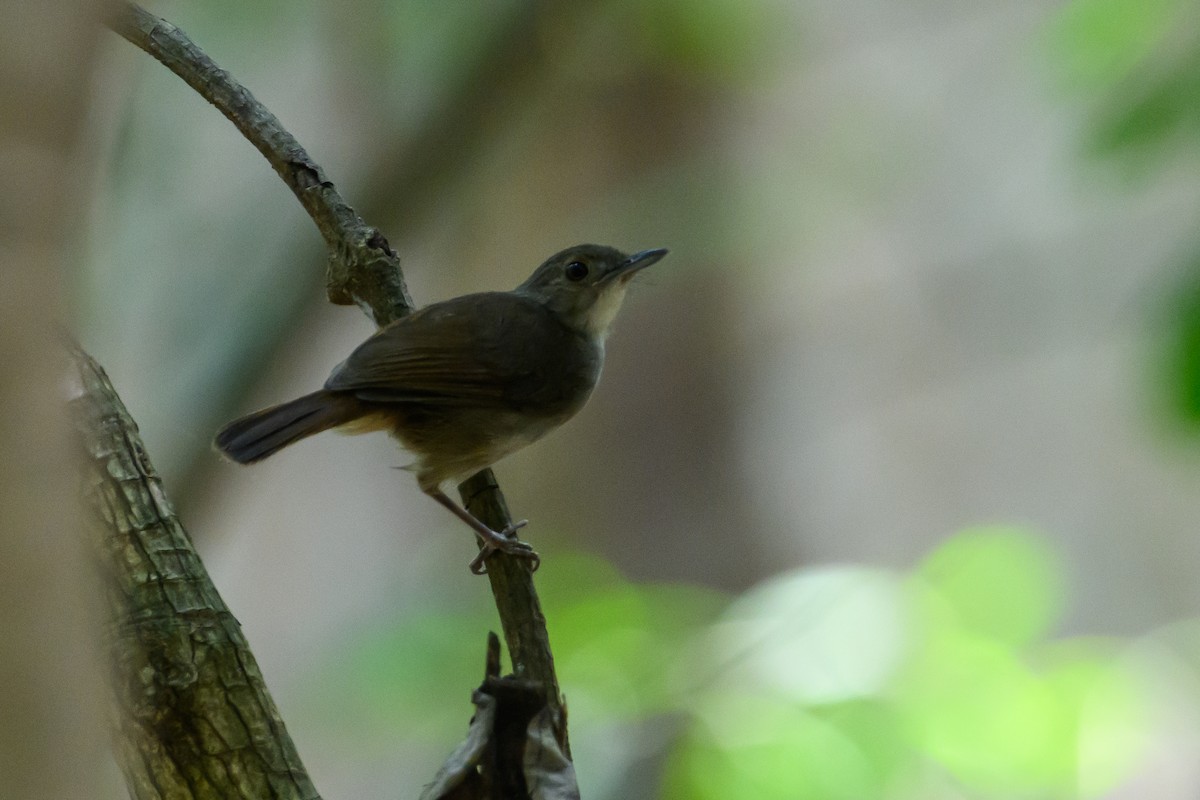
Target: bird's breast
[(559, 379)]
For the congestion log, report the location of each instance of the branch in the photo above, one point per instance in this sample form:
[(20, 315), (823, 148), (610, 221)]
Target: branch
[(427, 162), (517, 600), (364, 270), (197, 719)]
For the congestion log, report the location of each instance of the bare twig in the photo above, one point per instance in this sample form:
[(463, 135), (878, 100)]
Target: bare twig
[(363, 270)]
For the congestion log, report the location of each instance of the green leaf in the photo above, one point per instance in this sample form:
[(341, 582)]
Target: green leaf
[(618, 645), (1108, 706), (821, 635), (1099, 42), (998, 582), (757, 747), (1151, 115), (975, 708), (1180, 364)]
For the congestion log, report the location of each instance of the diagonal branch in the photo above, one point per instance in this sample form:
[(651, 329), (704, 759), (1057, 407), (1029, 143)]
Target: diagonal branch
[(363, 269), (197, 719)]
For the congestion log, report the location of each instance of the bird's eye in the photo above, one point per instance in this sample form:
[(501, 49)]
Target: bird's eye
[(576, 271)]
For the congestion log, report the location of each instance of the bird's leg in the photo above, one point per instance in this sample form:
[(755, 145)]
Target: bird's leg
[(492, 540)]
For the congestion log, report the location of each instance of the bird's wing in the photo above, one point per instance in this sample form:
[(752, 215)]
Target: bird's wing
[(459, 352)]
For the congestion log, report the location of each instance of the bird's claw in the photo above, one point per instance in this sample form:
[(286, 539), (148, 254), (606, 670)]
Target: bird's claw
[(505, 542)]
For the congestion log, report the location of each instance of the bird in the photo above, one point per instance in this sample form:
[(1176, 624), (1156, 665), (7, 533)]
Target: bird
[(464, 382)]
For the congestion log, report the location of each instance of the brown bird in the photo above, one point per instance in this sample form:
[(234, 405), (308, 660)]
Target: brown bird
[(467, 381)]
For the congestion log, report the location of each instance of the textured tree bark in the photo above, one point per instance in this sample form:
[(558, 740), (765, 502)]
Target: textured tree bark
[(197, 720)]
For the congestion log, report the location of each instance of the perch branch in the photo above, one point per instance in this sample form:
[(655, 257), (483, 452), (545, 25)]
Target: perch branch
[(363, 270)]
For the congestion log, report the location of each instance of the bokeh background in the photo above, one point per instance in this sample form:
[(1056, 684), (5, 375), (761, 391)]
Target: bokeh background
[(891, 486)]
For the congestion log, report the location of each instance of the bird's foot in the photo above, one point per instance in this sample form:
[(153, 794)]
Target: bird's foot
[(505, 542)]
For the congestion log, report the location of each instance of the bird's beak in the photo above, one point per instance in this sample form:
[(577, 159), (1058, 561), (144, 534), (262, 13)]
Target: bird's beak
[(637, 262)]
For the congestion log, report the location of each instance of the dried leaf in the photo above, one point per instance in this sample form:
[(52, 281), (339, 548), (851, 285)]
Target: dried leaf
[(548, 772), (458, 779)]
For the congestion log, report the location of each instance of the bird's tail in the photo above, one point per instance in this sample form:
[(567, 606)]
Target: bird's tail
[(263, 433)]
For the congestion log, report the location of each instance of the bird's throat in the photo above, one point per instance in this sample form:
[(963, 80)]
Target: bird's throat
[(599, 318)]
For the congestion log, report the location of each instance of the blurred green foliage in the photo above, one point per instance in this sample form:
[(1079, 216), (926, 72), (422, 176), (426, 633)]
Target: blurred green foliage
[(1180, 356), (1101, 42), (617, 647), (710, 39), (617, 644), (835, 682), (1136, 64), (974, 697), (760, 747)]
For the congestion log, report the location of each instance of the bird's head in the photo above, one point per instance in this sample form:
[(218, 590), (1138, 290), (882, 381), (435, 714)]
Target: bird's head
[(584, 285)]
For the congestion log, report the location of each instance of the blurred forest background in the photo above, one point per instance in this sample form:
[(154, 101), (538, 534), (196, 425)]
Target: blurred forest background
[(891, 486)]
